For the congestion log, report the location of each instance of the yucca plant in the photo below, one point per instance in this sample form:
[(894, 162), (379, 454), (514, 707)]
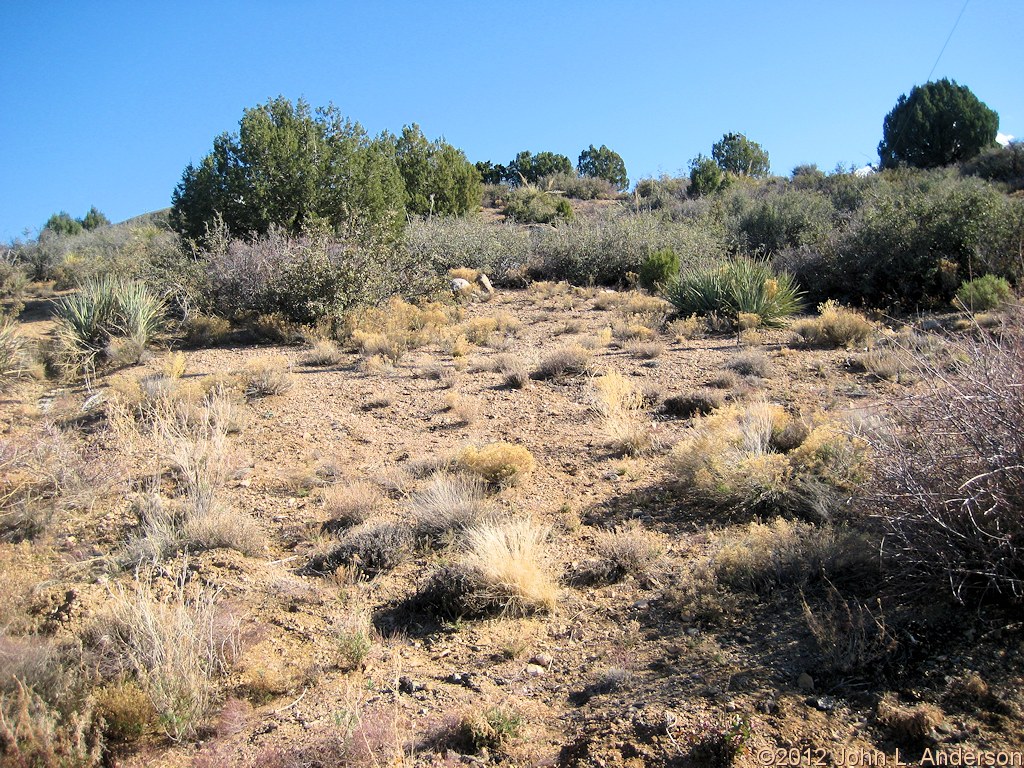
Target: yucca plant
[(14, 355), (101, 311), (742, 286)]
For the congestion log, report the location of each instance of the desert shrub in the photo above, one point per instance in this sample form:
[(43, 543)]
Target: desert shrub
[(372, 550), (911, 726), (750, 460), (698, 402), (851, 634), (126, 710), (348, 504), (579, 187), (665, 194), (497, 464), (498, 250), (529, 204), (570, 360), (266, 375), (478, 731), (626, 428), (999, 164), (604, 249), (628, 550), (788, 554), (775, 220), (645, 350), (921, 233), (174, 649), (353, 638), (206, 331), (949, 482), (449, 504), (743, 285), (34, 733), (835, 326), (310, 278), (15, 357), (503, 570), (101, 313), (984, 293), (324, 352), (752, 363), (719, 744), (658, 269)]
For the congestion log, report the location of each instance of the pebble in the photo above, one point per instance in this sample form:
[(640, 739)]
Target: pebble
[(824, 703), (805, 682), (408, 685), (541, 660), (534, 670)]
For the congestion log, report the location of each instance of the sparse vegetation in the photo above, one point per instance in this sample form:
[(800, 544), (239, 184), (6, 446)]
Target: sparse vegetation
[(497, 464), (835, 326)]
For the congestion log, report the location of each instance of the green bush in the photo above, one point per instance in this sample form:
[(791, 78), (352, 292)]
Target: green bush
[(1000, 164), (579, 187), (745, 285), (101, 312), (529, 204), (443, 243), (983, 293), (658, 269)]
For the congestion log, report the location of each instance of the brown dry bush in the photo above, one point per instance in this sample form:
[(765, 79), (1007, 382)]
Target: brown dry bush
[(912, 726), (34, 734), (950, 475), (348, 504), (699, 402), (835, 326), (267, 375), (497, 464), (324, 352), (370, 550), (570, 360), (851, 635), (629, 550), (752, 363)]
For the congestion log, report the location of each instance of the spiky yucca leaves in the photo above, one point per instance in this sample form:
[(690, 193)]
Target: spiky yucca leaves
[(747, 286), (102, 311)]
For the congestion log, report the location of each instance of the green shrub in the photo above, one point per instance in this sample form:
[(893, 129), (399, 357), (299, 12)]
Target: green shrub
[(529, 204), (1001, 164), (659, 269), (984, 293), (579, 187), (744, 286), (444, 243), (101, 312)]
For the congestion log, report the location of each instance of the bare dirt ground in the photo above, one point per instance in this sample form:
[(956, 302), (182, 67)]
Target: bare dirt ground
[(617, 675)]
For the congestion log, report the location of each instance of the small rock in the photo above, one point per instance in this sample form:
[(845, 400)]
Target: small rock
[(731, 706), (534, 670), (693, 631), (824, 703), (408, 685), (542, 660), (768, 706), (805, 682)]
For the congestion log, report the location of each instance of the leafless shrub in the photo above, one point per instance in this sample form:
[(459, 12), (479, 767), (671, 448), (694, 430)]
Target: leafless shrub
[(950, 475), (752, 363), (349, 504), (324, 352), (851, 635), (570, 360), (629, 550), (371, 550), (268, 375), (699, 402)]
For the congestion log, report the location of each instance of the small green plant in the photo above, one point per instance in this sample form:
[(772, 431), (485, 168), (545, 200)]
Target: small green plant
[(742, 286), (717, 744), (529, 204), (983, 293), (659, 269), (489, 730)]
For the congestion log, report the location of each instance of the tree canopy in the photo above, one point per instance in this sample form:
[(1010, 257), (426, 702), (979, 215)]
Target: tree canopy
[(438, 178), (62, 224), (939, 123), (531, 168), (291, 167), (737, 154), (603, 163)]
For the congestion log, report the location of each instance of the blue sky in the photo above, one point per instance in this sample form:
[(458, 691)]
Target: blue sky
[(106, 102)]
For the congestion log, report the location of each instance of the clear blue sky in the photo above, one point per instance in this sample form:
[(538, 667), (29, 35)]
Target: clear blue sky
[(104, 103)]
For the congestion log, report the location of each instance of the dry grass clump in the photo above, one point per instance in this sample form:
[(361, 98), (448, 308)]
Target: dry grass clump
[(851, 635), (751, 363), (448, 504), (15, 357), (569, 360), (266, 375), (515, 369), (546, 289), (627, 429), (626, 331), (699, 402), (754, 459), (464, 273), (645, 350), (479, 329), (503, 570), (480, 731), (629, 550), (34, 732), (498, 464), (173, 648), (911, 726), (835, 326), (206, 331), (348, 504), (324, 352), (685, 328), (466, 410), (379, 345), (881, 362), (761, 557), (725, 380)]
